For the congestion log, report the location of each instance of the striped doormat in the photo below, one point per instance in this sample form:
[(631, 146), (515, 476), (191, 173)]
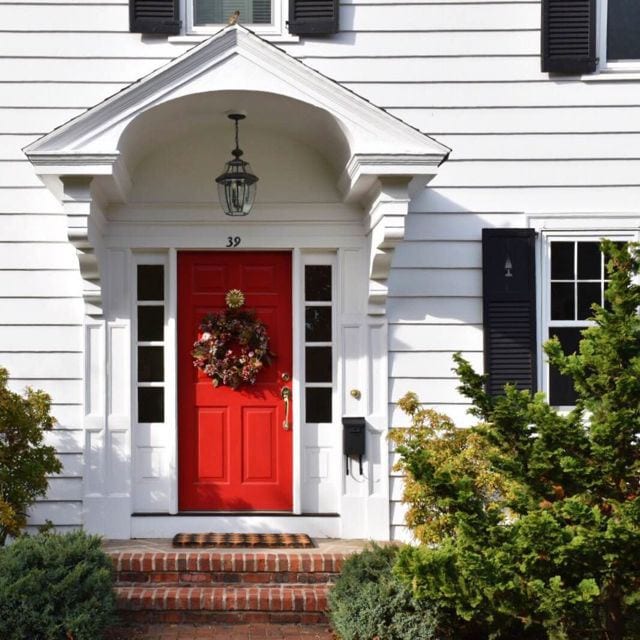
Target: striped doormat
[(243, 540)]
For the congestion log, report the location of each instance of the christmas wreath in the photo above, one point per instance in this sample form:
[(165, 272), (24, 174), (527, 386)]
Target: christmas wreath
[(233, 346)]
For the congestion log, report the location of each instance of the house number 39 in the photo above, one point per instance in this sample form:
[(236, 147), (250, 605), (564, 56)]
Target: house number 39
[(233, 241)]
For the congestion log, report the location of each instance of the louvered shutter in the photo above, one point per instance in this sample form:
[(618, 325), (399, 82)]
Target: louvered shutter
[(569, 36), (154, 16), (313, 17), (509, 309)]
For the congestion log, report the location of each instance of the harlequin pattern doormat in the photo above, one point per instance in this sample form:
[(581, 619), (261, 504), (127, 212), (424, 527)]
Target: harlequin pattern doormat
[(243, 540)]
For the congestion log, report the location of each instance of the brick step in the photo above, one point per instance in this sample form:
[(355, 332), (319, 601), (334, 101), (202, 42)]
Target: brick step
[(285, 603), (209, 568)]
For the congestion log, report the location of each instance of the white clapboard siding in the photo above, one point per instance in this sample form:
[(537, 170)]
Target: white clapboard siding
[(66, 440), (42, 339), (72, 465), (43, 365), (64, 17), (64, 489), (39, 284), (429, 390), (552, 200), (26, 200), (18, 174), (406, 364), (456, 226), (59, 95), (420, 337), (396, 488), (440, 255), (63, 391), (60, 513), (435, 282), (558, 173), (487, 68), (23, 228), (435, 310), (68, 416), (434, 17), (39, 311), (525, 120), (458, 413), (37, 256), (11, 145), (81, 70), (538, 146), (497, 94), (35, 121), (398, 511)]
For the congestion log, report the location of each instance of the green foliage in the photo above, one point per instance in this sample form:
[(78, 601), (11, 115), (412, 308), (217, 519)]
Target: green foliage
[(25, 461), (550, 547), (55, 587), (368, 602)]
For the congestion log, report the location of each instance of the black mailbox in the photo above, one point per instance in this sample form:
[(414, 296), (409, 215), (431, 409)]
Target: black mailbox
[(354, 430)]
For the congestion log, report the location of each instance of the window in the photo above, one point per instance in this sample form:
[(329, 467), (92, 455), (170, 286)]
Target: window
[(577, 280), (623, 27), (208, 12)]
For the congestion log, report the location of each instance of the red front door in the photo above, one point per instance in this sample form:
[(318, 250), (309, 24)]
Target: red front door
[(233, 452)]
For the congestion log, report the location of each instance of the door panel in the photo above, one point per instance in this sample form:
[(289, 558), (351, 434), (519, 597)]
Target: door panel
[(233, 452)]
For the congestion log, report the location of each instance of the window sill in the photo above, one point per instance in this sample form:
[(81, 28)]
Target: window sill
[(196, 38), (613, 75)]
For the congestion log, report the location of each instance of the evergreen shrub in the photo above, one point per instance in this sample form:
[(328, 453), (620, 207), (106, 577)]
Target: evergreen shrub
[(55, 587), (368, 602)]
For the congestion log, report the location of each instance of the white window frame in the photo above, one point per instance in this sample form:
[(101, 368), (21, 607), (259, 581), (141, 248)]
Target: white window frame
[(548, 237), (604, 65), (275, 30)]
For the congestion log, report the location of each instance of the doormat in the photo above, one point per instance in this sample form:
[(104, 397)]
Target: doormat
[(243, 540)]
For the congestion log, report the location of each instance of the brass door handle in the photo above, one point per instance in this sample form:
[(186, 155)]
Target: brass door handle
[(285, 393)]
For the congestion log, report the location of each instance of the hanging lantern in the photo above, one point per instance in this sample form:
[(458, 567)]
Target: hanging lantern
[(237, 185)]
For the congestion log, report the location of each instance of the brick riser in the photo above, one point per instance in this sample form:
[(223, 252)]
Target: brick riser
[(204, 587)]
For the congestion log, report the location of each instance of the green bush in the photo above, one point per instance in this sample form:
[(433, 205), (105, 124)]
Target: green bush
[(369, 602), (25, 462), (55, 587), (540, 540)]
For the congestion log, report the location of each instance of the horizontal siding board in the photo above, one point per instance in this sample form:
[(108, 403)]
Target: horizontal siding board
[(43, 365), (38, 311), (39, 284), (11, 145), (64, 17), (27, 227), (439, 255), (398, 513), (66, 441), (434, 310), (65, 95), (63, 391), (68, 416), (20, 200), (61, 513), (64, 489), (526, 120), (428, 390), (511, 146), (415, 364), (72, 465), (36, 256), (455, 226), (34, 121), (18, 174), (497, 94), (416, 337), (60, 70), (44, 339), (457, 413), (435, 282)]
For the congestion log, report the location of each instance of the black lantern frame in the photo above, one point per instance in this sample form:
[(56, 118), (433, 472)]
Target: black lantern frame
[(237, 185)]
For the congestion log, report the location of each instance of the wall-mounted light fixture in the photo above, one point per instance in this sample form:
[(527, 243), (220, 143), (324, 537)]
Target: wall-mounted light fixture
[(237, 185)]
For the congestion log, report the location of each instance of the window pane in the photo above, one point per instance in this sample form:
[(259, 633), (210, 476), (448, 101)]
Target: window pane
[(150, 282), (318, 402), (317, 282), (561, 390), (150, 364), (317, 327), (588, 293), (562, 301), (219, 11), (589, 258), (318, 364), (150, 323), (562, 261), (151, 404), (623, 25)]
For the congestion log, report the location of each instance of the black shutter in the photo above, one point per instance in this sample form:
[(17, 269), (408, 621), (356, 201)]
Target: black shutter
[(313, 17), (509, 309), (569, 36), (154, 16)]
